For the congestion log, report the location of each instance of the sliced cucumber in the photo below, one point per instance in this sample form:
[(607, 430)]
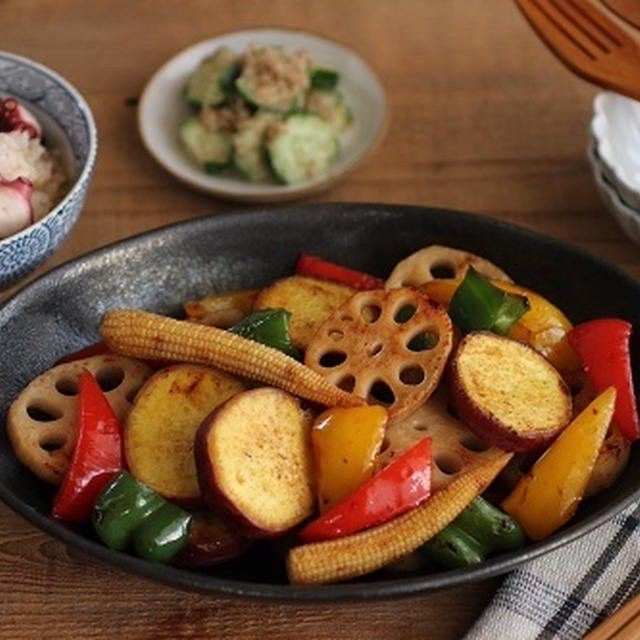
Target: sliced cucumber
[(210, 83), (249, 153), (274, 79), (211, 149), (331, 106), (323, 78), (303, 148)]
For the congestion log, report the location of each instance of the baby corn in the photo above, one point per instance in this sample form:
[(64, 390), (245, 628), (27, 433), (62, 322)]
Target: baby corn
[(360, 553), (141, 334)]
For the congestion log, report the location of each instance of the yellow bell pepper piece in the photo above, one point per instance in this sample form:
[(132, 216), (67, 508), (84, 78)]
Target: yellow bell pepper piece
[(544, 327), (441, 289), (546, 497), (345, 443)]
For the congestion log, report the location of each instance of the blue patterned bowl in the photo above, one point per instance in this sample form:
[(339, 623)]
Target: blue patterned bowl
[(68, 127)]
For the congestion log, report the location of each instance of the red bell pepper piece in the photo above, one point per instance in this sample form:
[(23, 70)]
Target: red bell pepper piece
[(97, 455), (400, 486), (603, 348), (318, 268)]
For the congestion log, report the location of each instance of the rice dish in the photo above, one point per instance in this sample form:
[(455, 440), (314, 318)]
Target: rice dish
[(31, 178), (22, 156)]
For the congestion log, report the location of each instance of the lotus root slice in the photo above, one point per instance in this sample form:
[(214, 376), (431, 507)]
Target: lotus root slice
[(389, 347), (41, 423), (437, 261), (455, 449)]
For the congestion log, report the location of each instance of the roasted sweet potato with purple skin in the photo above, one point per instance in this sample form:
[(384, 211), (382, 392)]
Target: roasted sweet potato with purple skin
[(255, 463), (211, 541), (161, 425), (507, 393)]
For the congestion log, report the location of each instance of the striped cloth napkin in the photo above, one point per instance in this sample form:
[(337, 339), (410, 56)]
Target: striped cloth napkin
[(564, 594)]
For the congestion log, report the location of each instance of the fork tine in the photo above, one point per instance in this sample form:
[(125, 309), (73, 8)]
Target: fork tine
[(588, 28), (542, 14), (587, 42), (578, 14), (600, 22)]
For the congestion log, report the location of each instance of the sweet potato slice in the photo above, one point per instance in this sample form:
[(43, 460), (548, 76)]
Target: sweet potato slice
[(309, 300), (160, 428), (255, 464), (507, 393), (221, 309)]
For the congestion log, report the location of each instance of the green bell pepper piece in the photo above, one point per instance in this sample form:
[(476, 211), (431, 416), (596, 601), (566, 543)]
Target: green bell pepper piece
[(129, 513), (492, 527), (453, 548), (162, 533), (268, 326), (477, 304), (479, 530)]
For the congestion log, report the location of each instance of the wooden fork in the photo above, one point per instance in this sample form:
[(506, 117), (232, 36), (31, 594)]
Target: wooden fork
[(588, 42)]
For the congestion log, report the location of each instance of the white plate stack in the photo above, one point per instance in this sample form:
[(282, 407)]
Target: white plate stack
[(614, 154)]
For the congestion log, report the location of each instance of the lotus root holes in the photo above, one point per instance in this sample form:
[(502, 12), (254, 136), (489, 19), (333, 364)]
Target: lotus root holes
[(332, 358), (423, 341), (381, 393), (347, 383), (412, 375), (405, 313), (109, 376), (67, 386), (370, 312), (442, 269), (43, 412), (472, 443), (53, 443), (448, 463)]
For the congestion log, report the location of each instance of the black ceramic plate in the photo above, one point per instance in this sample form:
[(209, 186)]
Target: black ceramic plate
[(158, 270)]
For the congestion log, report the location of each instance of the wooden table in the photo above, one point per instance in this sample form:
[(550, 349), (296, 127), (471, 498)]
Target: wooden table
[(483, 119)]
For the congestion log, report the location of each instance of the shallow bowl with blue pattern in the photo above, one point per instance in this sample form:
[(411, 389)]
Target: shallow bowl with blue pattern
[(68, 126)]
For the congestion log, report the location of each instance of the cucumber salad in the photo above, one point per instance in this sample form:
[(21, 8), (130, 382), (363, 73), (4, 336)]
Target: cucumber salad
[(267, 114)]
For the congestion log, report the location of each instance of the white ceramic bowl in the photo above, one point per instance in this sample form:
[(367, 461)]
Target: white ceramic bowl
[(68, 126), (162, 108), (627, 217), (615, 128)]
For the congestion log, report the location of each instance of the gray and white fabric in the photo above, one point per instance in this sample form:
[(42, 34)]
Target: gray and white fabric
[(564, 594)]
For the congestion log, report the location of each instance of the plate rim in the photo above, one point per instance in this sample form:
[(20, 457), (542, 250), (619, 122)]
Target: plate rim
[(274, 193), (364, 590)]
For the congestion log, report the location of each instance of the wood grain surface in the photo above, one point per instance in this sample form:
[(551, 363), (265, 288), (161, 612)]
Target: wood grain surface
[(483, 118)]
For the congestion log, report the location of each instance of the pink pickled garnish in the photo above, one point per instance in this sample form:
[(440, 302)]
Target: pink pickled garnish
[(16, 212), (15, 117)]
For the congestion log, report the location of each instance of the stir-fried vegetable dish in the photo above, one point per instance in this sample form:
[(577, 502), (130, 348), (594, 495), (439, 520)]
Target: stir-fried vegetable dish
[(433, 419)]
